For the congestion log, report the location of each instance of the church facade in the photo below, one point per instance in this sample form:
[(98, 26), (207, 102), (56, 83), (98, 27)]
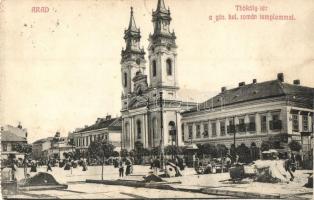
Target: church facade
[(151, 109)]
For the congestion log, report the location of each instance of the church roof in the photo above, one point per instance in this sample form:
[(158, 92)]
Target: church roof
[(257, 91), (111, 124), (161, 12), (161, 6), (43, 140), (132, 24)]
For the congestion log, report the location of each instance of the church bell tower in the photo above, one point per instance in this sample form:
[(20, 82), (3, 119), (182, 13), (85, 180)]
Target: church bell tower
[(163, 51), (132, 57)]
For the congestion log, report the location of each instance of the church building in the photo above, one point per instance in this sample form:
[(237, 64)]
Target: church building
[(150, 103)]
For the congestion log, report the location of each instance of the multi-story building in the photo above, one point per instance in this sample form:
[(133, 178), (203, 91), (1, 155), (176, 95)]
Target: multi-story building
[(10, 136), (107, 128), (40, 148), (58, 148), (272, 110)]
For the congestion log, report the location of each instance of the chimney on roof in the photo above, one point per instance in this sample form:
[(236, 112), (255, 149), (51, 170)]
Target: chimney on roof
[(280, 77), (296, 82), (223, 89), (108, 117), (241, 84), (254, 81)]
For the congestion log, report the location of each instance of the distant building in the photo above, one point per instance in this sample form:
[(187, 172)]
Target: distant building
[(272, 110), (17, 130), (41, 147), (51, 147), (59, 147), (10, 136), (104, 129)]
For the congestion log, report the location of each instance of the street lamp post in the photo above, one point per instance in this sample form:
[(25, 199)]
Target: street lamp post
[(161, 131)]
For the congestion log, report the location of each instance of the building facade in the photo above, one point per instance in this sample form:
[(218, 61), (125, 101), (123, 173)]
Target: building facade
[(252, 113), (51, 148), (107, 128), (10, 137), (41, 147), (151, 110)]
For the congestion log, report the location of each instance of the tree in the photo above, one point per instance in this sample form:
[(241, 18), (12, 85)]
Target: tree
[(156, 151), (266, 145), (222, 150), (295, 145), (254, 151), (146, 152), (23, 148), (101, 150), (209, 149), (244, 153), (115, 154), (170, 149), (199, 151)]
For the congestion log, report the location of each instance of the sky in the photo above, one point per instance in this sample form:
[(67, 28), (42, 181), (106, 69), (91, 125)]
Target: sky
[(60, 70)]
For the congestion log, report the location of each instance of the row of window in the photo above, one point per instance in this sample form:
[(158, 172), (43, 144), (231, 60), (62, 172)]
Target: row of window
[(139, 129), (5, 147), (154, 70), (231, 128), (295, 123), (168, 67), (86, 140)]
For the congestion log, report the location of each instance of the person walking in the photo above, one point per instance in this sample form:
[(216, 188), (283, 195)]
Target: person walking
[(25, 163), (84, 164), (49, 166), (33, 166), (13, 169), (156, 165), (151, 161), (121, 168), (128, 167), (289, 164)]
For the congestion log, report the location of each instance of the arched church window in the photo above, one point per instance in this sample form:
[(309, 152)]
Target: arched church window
[(125, 79), (139, 129), (169, 67), (154, 68)]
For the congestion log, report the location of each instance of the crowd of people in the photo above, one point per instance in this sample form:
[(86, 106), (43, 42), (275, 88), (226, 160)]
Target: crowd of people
[(125, 164)]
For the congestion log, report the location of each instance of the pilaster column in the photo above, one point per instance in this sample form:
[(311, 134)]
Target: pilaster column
[(268, 118), (258, 123), (218, 128), (300, 121), (131, 133), (310, 120)]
